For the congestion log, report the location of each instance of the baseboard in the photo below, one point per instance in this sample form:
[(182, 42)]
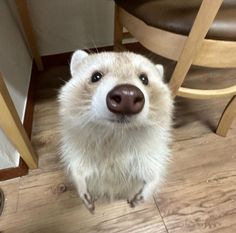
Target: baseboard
[(22, 169)]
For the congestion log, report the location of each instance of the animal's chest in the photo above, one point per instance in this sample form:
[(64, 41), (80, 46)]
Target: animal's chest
[(125, 168), (116, 170), (114, 178)]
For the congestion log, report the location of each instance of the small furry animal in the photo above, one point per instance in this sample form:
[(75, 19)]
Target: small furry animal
[(115, 116)]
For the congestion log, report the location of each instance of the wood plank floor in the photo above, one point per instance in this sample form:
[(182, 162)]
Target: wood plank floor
[(199, 194)]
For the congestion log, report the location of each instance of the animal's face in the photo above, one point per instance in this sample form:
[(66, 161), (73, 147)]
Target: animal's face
[(122, 89)]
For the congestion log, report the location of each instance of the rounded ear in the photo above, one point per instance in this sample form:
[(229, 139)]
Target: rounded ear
[(77, 57), (160, 69)]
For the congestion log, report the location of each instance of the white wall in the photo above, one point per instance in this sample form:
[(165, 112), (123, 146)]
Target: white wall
[(66, 25), (15, 65)]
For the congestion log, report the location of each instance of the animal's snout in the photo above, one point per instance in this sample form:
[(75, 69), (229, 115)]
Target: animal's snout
[(125, 99)]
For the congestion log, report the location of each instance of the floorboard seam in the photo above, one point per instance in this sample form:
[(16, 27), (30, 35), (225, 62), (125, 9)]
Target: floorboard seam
[(161, 215)]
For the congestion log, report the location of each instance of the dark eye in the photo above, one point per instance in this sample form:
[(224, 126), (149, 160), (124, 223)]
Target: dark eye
[(144, 79), (96, 76)]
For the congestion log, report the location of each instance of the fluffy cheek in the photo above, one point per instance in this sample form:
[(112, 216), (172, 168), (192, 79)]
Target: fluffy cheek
[(75, 101), (160, 105), (99, 106)]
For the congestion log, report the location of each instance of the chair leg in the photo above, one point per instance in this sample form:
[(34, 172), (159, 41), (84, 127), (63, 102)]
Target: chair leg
[(2, 201), (13, 128), (227, 118), (118, 32), (198, 32), (29, 32)]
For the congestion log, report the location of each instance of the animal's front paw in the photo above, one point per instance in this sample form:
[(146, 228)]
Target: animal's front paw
[(138, 198), (88, 201)]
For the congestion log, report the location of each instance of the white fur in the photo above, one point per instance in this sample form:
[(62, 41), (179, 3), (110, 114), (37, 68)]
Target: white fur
[(160, 69), (77, 57), (110, 159)]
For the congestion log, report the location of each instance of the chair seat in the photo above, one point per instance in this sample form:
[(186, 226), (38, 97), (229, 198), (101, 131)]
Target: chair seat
[(177, 16)]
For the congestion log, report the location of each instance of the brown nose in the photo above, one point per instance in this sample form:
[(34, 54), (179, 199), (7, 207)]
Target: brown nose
[(125, 99)]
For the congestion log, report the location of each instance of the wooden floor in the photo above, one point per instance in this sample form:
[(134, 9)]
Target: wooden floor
[(200, 190)]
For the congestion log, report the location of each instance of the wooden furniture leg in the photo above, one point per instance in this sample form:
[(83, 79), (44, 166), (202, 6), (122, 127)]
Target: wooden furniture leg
[(13, 128), (118, 32), (197, 34), (29, 32), (227, 118), (2, 201)]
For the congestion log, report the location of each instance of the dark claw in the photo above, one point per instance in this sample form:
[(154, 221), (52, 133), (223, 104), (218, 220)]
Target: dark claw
[(131, 204), (89, 202), (136, 199)]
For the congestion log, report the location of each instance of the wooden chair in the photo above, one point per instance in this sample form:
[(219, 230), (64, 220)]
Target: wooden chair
[(183, 31), (11, 125)]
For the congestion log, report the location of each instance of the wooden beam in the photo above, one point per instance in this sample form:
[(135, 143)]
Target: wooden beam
[(206, 94), (202, 23), (118, 31), (29, 32), (227, 118), (13, 128)]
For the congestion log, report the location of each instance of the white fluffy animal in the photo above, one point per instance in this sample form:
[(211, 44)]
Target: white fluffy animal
[(115, 115)]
